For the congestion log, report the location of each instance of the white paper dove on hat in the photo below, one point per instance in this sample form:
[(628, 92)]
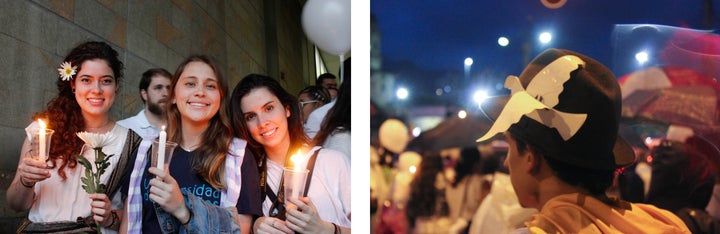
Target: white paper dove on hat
[(538, 100)]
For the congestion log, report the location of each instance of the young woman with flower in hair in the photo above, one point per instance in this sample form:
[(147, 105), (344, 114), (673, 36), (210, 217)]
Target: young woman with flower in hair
[(268, 117), (210, 171), (52, 190)]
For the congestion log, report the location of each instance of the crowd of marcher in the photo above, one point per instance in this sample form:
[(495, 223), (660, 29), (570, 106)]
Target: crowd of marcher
[(566, 165), (227, 170)]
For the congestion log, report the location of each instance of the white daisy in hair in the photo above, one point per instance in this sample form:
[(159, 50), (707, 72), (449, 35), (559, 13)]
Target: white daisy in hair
[(66, 71)]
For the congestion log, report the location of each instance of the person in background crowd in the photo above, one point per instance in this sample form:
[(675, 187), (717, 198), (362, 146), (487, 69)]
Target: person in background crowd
[(328, 81), (314, 120), (561, 123), (268, 116), (679, 176), (154, 86), (465, 191), (427, 206), (311, 98), (335, 129), (211, 183), (52, 190)]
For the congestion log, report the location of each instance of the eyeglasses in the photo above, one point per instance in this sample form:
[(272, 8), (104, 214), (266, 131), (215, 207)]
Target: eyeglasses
[(302, 104)]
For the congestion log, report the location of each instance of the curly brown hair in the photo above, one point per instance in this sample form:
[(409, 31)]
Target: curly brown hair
[(63, 111)]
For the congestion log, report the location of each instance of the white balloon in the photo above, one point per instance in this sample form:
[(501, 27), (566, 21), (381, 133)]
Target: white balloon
[(327, 24)]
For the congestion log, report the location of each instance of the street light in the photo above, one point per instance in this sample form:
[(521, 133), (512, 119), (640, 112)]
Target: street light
[(480, 96), (402, 93), (545, 38), (462, 114), (503, 41), (641, 57), (468, 64)]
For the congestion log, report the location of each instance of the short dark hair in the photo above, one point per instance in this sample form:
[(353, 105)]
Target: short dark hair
[(595, 181), (149, 74), (323, 77)]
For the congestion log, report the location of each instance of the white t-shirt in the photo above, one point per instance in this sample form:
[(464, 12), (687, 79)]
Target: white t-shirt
[(140, 125), (340, 141), (329, 187), (65, 200), (315, 119)]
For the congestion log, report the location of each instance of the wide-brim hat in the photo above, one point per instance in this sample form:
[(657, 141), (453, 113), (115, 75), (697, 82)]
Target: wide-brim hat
[(567, 106)]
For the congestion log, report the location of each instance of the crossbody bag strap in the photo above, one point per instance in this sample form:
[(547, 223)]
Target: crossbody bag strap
[(310, 167), (132, 143)]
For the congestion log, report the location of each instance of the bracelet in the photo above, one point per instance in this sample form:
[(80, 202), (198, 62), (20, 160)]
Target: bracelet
[(25, 185), (190, 217), (337, 230), (114, 217)]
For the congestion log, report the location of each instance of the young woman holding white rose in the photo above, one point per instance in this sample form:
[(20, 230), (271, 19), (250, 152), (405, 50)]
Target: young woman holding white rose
[(52, 190)]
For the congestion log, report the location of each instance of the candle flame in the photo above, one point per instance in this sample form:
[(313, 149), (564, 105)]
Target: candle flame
[(295, 159), (413, 169), (163, 127), (42, 124)]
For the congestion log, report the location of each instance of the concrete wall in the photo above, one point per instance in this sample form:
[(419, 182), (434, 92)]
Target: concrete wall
[(246, 36)]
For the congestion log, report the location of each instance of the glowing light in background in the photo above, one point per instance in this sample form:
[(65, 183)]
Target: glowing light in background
[(402, 93), (468, 61), (462, 114), (641, 57), (503, 41), (416, 131), (480, 96), (545, 37)]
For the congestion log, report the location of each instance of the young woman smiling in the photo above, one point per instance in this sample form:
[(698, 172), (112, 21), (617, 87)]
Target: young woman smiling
[(268, 117)]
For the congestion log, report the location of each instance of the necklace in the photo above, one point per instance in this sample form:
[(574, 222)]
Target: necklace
[(102, 129)]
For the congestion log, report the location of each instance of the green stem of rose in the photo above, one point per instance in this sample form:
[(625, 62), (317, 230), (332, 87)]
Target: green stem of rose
[(97, 182)]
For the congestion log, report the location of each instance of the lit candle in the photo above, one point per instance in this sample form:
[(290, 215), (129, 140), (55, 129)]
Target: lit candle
[(297, 181), (41, 133), (161, 149)]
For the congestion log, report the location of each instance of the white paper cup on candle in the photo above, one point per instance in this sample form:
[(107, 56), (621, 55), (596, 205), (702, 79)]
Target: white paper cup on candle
[(40, 150), (293, 184), (163, 159)]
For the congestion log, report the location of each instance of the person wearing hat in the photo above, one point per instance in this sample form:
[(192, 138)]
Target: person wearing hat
[(561, 122)]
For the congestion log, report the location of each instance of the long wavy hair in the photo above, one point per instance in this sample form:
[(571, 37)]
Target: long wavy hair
[(63, 112), (468, 164), (338, 117), (240, 128), (424, 195), (209, 158)]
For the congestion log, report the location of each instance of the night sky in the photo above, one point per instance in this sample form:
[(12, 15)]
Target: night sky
[(431, 38)]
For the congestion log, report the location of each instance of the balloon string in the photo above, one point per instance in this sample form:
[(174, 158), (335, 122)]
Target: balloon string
[(342, 73)]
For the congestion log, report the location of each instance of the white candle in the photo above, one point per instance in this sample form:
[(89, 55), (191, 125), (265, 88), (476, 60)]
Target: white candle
[(41, 134), (297, 181), (161, 149)]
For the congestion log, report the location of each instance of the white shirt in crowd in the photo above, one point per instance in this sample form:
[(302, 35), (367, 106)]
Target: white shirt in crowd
[(140, 125)]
